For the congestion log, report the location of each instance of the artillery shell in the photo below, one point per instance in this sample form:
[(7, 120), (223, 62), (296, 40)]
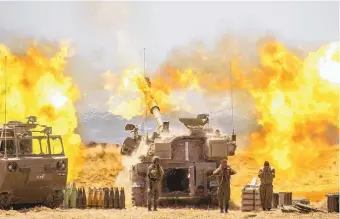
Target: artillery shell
[(122, 199), (111, 198), (116, 194), (84, 198), (95, 198), (106, 198), (101, 199), (90, 198), (77, 199), (73, 199)]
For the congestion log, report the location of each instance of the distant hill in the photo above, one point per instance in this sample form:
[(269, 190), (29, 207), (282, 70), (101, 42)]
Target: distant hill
[(104, 127)]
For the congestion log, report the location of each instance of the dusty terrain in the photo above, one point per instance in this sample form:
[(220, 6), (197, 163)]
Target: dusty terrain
[(102, 164), (135, 213)]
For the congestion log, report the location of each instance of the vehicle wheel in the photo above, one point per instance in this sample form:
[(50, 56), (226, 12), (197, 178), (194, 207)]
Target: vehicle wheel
[(137, 196), (5, 200), (54, 199), (214, 199)]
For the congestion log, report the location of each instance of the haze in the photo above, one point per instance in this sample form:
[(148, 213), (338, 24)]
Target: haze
[(112, 35)]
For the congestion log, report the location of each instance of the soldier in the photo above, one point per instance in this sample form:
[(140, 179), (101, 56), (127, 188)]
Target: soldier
[(223, 173), (155, 174), (218, 133), (266, 174)]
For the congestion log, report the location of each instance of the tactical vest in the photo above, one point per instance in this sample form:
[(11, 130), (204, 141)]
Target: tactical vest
[(154, 173), (267, 177), (224, 176)]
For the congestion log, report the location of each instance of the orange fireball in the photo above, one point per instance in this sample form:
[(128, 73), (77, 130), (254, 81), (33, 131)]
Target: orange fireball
[(37, 85)]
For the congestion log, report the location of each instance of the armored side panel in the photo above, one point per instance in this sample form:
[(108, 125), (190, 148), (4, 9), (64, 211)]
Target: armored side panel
[(129, 145), (202, 170), (140, 169), (163, 150), (186, 149), (220, 148), (139, 184), (192, 184)]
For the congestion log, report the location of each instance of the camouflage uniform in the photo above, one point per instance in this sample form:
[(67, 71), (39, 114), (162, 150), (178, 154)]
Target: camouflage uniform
[(155, 174), (266, 174), (223, 191)]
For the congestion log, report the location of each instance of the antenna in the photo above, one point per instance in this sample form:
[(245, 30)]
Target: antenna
[(146, 107), (231, 95), (5, 125)]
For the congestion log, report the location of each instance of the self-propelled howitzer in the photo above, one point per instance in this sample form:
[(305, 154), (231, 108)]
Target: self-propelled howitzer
[(188, 160)]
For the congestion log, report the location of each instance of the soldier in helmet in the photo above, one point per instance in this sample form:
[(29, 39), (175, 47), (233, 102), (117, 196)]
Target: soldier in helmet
[(155, 174), (266, 174), (223, 173)]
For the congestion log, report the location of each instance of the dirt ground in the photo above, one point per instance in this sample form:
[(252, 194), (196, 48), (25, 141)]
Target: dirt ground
[(163, 213)]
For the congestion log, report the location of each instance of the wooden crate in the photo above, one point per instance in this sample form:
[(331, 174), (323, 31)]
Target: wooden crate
[(250, 196), (333, 202), (285, 198), (251, 202), (251, 207), (251, 199)]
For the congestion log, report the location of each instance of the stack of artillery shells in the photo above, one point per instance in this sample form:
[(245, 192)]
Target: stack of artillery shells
[(94, 198), (106, 198)]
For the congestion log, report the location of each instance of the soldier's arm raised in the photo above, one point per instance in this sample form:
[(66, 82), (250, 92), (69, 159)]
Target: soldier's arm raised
[(217, 171), (148, 173), (273, 172), (161, 172), (260, 173), (232, 172)]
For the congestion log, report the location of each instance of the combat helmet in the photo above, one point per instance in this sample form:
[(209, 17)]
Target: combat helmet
[(155, 158), (224, 160)]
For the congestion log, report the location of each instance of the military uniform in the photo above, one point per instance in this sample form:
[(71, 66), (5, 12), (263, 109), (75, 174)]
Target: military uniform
[(155, 174), (266, 174), (223, 191)]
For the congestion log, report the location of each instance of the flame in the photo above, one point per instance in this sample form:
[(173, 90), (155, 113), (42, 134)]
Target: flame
[(296, 108), (58, 100), (133, 84), (37, 85), (329, 65), (102, 163)]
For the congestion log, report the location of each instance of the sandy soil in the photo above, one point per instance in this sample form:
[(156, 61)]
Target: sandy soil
[(102, 165), (163, 213)]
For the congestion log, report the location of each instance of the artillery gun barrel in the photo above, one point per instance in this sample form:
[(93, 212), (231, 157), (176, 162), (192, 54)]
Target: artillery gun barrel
[(153, 106), (155, 111)]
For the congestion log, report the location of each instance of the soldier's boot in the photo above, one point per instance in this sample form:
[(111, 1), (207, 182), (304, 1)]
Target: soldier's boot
[(226, 208), (221, 209), (149, 207), (155, 205)]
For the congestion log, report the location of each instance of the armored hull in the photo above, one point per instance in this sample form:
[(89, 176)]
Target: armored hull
[(188, 164), (33, 168)]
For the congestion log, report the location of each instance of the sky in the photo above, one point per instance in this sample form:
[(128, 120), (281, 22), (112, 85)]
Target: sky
[(112, 35)]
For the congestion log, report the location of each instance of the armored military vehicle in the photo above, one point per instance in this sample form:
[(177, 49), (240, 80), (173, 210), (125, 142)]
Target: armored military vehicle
[(33, 166), (188, 160)]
